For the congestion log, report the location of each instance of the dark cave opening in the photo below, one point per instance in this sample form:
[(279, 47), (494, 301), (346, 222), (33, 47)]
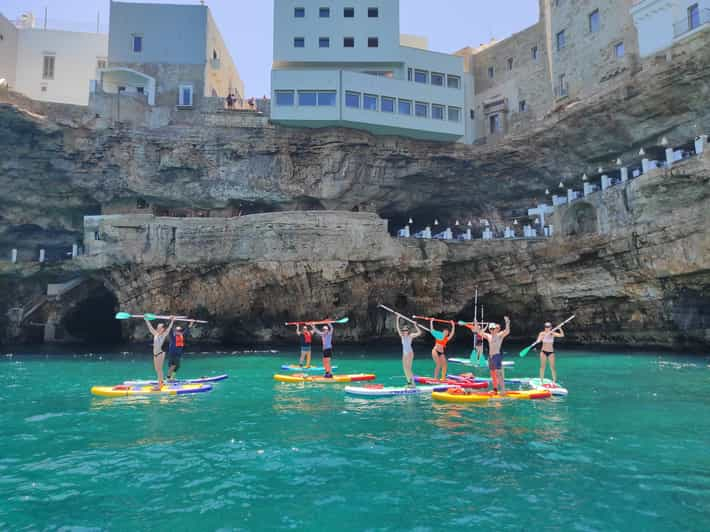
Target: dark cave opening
[(93, 321)]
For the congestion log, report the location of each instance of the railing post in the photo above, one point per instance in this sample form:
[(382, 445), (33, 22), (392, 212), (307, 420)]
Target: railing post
[(41, 255), (13, 256), (624, 174)]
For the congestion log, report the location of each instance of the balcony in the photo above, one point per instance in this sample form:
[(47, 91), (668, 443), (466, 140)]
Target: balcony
[(691, 22)]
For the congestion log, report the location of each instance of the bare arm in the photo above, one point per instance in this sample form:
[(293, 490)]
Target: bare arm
[(172, 322), (505, 332), (399, 331), (150, 328), (298, 329), (539, 336), (560, 333), (453, 330), (417, 333)]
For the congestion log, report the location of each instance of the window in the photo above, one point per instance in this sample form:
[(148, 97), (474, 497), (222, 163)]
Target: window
[(48, 67), (299, 12), (140, 90), (557, 3), (409, 74), (307, 98), (522, 106), (405, 107), (349, 42), (349, 12), (100, 64), (594, 21), (491, 72), (299, 42), (185, 96), (693, 17), (324, 42), (619, 49), (352, 99), (437, 79), (562, 86), (454, 82), (373, 12), (437, 112), (387, 104), (420, 76), (560, 40), (373, 42), (472, 113), (284, 97), (494, 124), (369, 102), (454, 114), (324, 12), (510, 63), (137, 43), (421, 109), (533, 53), (327, 98)]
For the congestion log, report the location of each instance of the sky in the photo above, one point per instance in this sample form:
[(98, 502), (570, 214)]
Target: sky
[(246, 25)]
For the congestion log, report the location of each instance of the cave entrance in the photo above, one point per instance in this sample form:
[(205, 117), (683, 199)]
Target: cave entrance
[(92, 319), (580, 219)]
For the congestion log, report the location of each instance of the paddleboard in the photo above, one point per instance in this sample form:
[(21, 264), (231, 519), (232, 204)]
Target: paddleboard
[(460, 396), (547, 384), (304, 369), (378, 390), (475, 364), (461, 382), (336, 379), (199, 380), (124, 390)]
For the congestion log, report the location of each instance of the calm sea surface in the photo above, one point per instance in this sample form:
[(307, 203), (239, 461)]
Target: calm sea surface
[(628, 449)]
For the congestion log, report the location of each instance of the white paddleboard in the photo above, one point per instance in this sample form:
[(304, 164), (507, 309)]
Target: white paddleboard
[(392, 391)]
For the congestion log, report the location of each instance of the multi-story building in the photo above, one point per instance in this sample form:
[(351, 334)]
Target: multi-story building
[(50, 65), (344, 64), (661, 23), (172, 54)]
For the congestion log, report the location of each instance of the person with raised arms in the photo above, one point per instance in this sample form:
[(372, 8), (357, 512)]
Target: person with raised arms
[(176, 348), (326, 336), (160, 334), (438, 352), (547, 337), (408, 350), (306, 336), (495, 338)]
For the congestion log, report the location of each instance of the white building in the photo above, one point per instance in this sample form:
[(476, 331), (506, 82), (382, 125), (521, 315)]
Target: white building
[(661, 23), (50, 65), (343, 64), (171, 54)]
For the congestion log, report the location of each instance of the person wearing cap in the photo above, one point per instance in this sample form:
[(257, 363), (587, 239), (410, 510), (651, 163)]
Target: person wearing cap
[(495, 338), (306, 335), (408, 350), (176, 348), (326, 336), (547, 337)]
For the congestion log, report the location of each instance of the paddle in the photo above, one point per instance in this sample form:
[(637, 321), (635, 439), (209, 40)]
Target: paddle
[(528, 348), (435, 320), (152, 317), (436, 334), (322, 322)]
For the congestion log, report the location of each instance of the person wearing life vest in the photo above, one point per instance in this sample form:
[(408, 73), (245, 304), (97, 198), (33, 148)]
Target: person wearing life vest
[(306, 335), (438, 352), (176, 348)]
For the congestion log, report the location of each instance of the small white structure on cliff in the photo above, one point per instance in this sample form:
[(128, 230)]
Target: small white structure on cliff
[(341, 64), (168, 54), (50, 65), (660, 23)]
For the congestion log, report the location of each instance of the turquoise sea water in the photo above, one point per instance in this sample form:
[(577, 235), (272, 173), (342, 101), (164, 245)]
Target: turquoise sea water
[(627, 450)]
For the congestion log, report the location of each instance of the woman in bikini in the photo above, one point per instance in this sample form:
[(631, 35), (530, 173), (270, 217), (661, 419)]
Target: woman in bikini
[(438, 353), (547, 337)]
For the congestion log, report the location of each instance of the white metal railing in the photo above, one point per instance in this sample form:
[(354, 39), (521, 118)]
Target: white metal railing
[(691, 22)]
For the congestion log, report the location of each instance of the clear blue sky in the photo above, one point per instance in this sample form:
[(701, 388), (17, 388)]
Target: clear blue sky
[(247, 24)]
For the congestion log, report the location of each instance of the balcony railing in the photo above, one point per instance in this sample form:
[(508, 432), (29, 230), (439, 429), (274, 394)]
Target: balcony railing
[(689, 23)]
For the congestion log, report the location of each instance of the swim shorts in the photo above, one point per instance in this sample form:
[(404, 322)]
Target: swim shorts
[(327, 353), (495, 361), (305, 350)]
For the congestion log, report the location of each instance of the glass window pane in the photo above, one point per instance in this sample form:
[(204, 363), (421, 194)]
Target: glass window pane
[(327, 98), (373, 42), (387, 105), (299, 12), (454, 82), (437, 112), (421, 109), (594, 21), (324, 12), (349, 42), (352, 99), (284, 98), (619, 50), (299, 42), (324, 42), (405, 107), (454, 114), (373, 12), (370, 102), (306, 98), (437, 79), (349, 12), (561, 40), (420, 76)]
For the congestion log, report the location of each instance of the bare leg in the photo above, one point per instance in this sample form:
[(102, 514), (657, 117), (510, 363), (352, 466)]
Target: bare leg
[(552, 367), (543, 361), (158, 362), (300, 360), (444, 367), (435, 356), (501, 381), (407, 359), (326, 365), (308, 358)]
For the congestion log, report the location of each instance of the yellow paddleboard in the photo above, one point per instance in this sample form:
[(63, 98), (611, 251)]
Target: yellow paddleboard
[(124, 390), (460, 397), (336, 379)]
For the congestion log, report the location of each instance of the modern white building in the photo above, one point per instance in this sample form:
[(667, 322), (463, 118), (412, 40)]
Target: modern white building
[(661, 23), (50, 65), (343, 64), (171, 54)]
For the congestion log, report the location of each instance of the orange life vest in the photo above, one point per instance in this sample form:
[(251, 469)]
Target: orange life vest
[(179, 340)]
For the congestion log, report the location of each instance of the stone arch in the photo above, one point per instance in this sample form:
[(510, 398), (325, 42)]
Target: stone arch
[(88, 314), (580, 219)]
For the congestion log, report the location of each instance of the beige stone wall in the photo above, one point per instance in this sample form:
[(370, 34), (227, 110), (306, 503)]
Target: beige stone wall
[(221, 75)]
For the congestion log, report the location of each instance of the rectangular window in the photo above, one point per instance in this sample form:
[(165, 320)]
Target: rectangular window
[(437, 79), (387, 104), (307, 98), (369, 102), (299, 12), (284, 97), (349, 42), (619, 49), (491, 72), (352, 99), (140, 90), (299, 42), (454, 114), (494, 124), (409, 74), (420, 76), (137, 43), (373, 12), (522, 106), (373, 42), (693, 17), (349, 12), (405, 107), (454, 82), (48, 67), (594, 21), (562, 86), (472, 113), (185, 96), (510, 63), (421, 109), (561, 40), (324, 12), (533, 53), (437, 112), (100, 64), (327, 98), (324, 42)]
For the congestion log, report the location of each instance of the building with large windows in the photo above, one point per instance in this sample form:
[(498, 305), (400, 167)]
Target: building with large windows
[(662, 23), (343, 64)]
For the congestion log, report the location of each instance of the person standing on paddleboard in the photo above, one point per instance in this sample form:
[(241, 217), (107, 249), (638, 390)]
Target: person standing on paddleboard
[(160, 334), (176, 348), (438, 353), (495, 338), (408, 350), (547, 337), (326, 336), (477, 350), (306, 336)]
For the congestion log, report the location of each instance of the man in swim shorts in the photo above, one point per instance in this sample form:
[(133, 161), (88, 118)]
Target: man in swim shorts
[(326, 336), (306, 341), (408, 350), (176, 348), (495, 338), (547, 337)]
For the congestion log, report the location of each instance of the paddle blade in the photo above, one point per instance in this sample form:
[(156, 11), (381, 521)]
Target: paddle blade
[(482, 362), (150, 317), (123, 316), (437, 334), (342, 320), (526, 350)]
